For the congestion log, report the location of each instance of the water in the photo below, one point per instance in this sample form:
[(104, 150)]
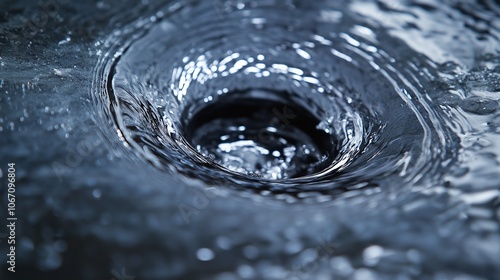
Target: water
[(376, 106), (254, 139), (254, 135)]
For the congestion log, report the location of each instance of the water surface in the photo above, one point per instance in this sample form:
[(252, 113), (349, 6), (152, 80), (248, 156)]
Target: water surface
[(253, 139)]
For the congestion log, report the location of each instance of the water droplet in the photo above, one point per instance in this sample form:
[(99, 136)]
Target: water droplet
[(205, 254), (372, 255), (96, 193)]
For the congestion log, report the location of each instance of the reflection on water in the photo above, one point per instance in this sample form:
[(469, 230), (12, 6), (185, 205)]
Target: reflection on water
[(256, 139)]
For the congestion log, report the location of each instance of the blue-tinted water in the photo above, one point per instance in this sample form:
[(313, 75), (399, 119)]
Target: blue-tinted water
[(253, 139)]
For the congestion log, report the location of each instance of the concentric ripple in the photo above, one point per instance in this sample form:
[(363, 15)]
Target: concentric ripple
[(202, 90)]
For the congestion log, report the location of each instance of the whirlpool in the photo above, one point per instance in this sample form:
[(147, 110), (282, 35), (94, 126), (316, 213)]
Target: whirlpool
[(250, 139)]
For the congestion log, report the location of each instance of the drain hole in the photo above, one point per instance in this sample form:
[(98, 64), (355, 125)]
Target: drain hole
[(260, 133)]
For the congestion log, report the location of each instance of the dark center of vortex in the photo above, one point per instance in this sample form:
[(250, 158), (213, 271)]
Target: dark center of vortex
[(260, 133)]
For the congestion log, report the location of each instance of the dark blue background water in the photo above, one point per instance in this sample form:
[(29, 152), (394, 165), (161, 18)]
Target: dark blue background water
[(95, 202)]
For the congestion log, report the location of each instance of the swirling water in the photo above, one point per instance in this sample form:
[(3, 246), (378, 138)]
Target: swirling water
[(375, 107), (358, 139)]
